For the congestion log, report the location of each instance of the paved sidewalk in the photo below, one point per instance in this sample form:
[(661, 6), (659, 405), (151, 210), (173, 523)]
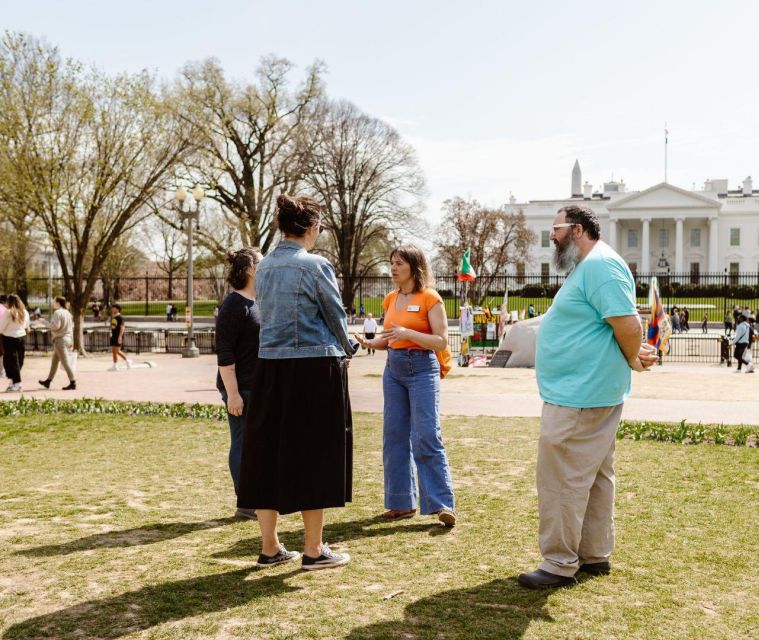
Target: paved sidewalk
[(706, 393)]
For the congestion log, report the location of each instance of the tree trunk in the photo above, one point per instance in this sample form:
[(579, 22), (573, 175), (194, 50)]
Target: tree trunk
[(171, 285), (349, 292), (20, 283)]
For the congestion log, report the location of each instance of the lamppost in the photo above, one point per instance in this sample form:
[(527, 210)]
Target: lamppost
[(190, 216)]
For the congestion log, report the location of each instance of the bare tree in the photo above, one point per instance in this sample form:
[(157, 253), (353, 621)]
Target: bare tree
[(497, 238), (251, 138), (167, 247), (124, 259), (87, 152), (369, 182)]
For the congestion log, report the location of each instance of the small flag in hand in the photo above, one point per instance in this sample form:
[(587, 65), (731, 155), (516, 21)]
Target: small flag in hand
[(466, 272)]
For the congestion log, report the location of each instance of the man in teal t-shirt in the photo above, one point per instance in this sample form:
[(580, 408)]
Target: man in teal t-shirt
[(588, 342)]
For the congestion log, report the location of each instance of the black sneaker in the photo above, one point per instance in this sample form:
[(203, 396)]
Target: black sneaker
[(283, 555), (45, 383), (327, 560)]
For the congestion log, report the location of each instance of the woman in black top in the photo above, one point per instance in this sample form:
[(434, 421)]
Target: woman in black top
[(237, 328)]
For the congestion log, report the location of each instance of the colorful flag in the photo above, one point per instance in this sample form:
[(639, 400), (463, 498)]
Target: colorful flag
[(660, 327), (466, 273)]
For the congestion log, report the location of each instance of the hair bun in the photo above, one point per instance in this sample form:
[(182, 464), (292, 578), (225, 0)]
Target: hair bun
[(285, 202)]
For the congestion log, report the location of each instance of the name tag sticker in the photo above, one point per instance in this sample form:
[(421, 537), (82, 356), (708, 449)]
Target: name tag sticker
[(412, 307)]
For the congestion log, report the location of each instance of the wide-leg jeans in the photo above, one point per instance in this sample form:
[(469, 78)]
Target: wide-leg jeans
[(411, 436)]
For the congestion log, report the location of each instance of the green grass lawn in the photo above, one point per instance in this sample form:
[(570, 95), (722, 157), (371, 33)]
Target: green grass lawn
[(116, 527)]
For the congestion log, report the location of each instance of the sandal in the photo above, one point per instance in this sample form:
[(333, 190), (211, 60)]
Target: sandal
[(398, 514)]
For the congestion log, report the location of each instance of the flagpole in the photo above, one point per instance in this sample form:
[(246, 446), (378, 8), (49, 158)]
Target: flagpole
[(666, 133)]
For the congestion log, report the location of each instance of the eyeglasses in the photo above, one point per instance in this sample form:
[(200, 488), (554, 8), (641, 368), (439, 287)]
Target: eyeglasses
[(564, 225)]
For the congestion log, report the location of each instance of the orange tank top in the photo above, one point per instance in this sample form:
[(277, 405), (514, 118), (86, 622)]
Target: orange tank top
[(414, 316)]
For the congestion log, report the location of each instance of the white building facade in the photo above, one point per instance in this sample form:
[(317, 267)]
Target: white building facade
[(662, 228)]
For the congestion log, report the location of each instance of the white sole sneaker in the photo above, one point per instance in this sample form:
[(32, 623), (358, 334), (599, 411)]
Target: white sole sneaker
[(330, 560)]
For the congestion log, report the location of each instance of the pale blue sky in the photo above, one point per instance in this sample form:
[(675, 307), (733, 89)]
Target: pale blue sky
[(497, 97)]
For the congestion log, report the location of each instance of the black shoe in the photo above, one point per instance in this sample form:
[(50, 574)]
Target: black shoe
[(540, 579), (283, 555), (71, 386), (45, 383), (596, 568), (327, 560)]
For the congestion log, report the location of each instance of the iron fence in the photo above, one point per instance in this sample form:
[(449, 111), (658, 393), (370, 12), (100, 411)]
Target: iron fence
[(710, 296)]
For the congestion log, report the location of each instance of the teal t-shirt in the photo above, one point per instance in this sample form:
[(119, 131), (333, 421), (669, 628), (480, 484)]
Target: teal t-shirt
[(578, 361)]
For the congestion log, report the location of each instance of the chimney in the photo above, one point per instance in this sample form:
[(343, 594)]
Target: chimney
[(748, 187), (587, 191)]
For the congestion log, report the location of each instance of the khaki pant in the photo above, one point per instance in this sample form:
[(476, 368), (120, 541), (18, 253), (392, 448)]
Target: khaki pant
[(61, 353), (575, 478)]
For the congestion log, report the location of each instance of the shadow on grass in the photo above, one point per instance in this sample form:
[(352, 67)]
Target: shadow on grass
[(335, 533), (497, 609), (127, 538), (150, 606)]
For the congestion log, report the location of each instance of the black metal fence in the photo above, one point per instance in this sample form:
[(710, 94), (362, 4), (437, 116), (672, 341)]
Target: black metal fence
[(704, 295)]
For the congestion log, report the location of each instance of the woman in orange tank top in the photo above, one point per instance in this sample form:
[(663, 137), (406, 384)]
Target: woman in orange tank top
[(415, 328)]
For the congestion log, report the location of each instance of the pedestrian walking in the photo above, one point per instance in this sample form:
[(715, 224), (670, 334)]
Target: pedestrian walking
[(370, 331), (237, 328), (705, 323), (728, 323), (61, 327), (298, 442), (415, 330), (168, 312), (3, 311), (118, 327), (741, 343), (361, 311), (587, 345), (686, 319), (14, 325)]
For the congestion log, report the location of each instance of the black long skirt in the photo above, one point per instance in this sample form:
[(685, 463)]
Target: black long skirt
[(297, 448)]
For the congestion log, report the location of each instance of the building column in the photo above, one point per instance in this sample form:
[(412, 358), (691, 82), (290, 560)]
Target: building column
[(613, 233), (678, 245), (645, 251), (713, 245)]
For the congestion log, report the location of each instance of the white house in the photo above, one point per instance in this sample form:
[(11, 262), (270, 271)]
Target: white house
[(660, 228)]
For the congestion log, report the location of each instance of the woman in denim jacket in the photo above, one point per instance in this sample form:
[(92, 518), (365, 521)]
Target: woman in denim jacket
[(297, 446)]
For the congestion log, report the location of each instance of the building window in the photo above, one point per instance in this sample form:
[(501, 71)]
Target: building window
[(545, 271), (545, 239), (735, 237), (695, 237), (663, 238), (695, 272), (632, 237), (520, 272)]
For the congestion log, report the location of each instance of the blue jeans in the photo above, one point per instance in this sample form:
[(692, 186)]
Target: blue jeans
[(236, 428), (411, 385)]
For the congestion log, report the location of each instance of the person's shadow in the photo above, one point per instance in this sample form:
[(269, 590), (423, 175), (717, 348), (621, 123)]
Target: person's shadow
[(497, 609), (149, 606), (148, 534)]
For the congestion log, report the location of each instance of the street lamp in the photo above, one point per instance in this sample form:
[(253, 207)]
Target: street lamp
[(190, 216)]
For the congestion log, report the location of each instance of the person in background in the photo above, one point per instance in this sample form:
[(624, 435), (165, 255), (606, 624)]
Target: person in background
[(237, 327), (370, 331), (174, 312), (117, 338), (14, 326), (531, 313), (361, 311), (741, 342), (96, 310), (61, 329), (676, 325), (3, 311), (416, 327), (705, 323), (298, 440), (686, 319), (728, 323), (168, 312)]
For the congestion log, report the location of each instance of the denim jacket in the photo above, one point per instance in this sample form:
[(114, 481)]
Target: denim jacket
[(302, 315)]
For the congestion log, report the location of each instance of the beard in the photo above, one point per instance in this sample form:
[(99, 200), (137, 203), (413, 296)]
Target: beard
[(566, 255)]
